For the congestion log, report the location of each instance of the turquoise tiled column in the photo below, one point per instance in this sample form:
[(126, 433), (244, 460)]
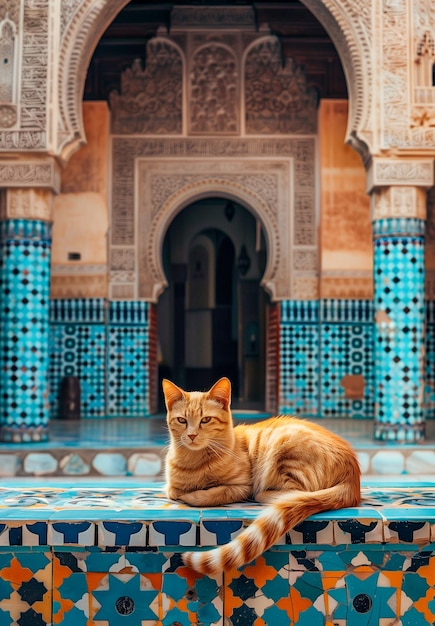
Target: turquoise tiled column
[(399, 329), (24, 329)]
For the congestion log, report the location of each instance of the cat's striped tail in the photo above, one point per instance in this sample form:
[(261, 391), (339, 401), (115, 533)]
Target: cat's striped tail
[(288, 510)]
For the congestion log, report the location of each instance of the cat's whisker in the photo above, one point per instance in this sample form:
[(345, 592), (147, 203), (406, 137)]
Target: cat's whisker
[(223, 450)]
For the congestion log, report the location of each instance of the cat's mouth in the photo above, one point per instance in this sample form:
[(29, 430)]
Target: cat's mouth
[(192, 444)]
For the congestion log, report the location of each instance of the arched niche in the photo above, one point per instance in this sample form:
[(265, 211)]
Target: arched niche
[(240, 183)]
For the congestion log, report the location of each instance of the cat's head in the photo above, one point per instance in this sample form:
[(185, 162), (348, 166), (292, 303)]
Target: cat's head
[(197, 419)]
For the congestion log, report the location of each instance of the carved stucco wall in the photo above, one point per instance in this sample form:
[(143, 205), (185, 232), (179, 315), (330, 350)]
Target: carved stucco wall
[(379, 42), (384, 46), (274, 179), (55, 43), (153, 179)]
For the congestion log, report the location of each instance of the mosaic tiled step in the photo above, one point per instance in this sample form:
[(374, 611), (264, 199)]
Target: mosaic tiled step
[(111, 555), (144, 517)]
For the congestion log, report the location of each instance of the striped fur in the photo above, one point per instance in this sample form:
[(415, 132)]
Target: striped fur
[(299, 468)]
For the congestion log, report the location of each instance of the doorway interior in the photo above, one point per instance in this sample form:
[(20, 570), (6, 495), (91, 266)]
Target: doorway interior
[(211, 317)]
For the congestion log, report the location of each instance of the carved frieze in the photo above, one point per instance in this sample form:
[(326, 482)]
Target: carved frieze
[(422, 59), (31, 47), (277, 98), (305, 260), (214, 91), (384, 172), (122, 259), (34, 204), (150, 98), (127, 150), (30, 173), (69, 7), (398, 201), (10, 9), (192, 179), (345, 285), (78, 286), (305, 287), (212, 17)]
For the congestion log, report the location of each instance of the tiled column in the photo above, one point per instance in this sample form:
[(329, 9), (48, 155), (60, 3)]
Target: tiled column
[(398, 233), (24, 315)]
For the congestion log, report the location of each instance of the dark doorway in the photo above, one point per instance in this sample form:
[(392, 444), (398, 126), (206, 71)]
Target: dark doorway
[(211, 317)]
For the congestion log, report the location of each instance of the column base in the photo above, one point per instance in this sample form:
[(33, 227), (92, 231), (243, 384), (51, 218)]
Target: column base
[(399, 433), (23, 434)]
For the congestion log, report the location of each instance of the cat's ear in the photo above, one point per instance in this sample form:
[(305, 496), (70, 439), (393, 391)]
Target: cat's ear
[(171, 392), (221, 392)]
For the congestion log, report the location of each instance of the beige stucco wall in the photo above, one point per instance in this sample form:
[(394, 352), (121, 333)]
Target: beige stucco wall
[(81, 214), (345, 237)]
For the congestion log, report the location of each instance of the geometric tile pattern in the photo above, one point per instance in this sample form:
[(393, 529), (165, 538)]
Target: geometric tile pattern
[(24, 324), (346, 348), (138, 517), (399, 331), (321, 343), (429, 387), (299, 358), (128, 352), (78, 348), (106, 346), (374, 564)]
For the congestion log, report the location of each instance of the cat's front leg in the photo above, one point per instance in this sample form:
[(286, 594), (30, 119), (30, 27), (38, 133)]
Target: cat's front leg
[(173, 494), (216, 496)]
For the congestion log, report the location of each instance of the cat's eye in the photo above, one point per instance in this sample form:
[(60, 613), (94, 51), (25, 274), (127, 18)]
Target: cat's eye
[(182, 420), (205, 420)]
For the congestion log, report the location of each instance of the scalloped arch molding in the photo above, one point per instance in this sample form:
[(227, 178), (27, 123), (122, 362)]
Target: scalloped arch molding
[(348, 23)]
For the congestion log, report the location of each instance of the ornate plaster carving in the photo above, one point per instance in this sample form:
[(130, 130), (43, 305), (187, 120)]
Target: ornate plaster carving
[(398, 201), (33, 51), (346, 284), (277, 98), (305, 287), (125, 151), (347, 21), (86, 22), (122, 291), (30, 173), (214, 91), (403, 171), (150, 98), (197, 179), (305, 260), (123, 259), (204, 17), (423, 53), (34, 204), (78, 286)]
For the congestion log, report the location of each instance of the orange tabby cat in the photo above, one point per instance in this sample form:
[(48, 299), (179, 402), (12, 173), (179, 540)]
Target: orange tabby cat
[(298, 467)]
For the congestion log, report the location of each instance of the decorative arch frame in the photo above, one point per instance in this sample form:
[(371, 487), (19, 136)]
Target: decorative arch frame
[(348, 22), (154, 222)]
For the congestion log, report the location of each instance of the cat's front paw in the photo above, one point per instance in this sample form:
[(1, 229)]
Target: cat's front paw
[(173, 494), (195, 498)]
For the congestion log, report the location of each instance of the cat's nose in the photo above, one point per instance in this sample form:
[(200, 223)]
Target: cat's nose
[(192, 437)]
